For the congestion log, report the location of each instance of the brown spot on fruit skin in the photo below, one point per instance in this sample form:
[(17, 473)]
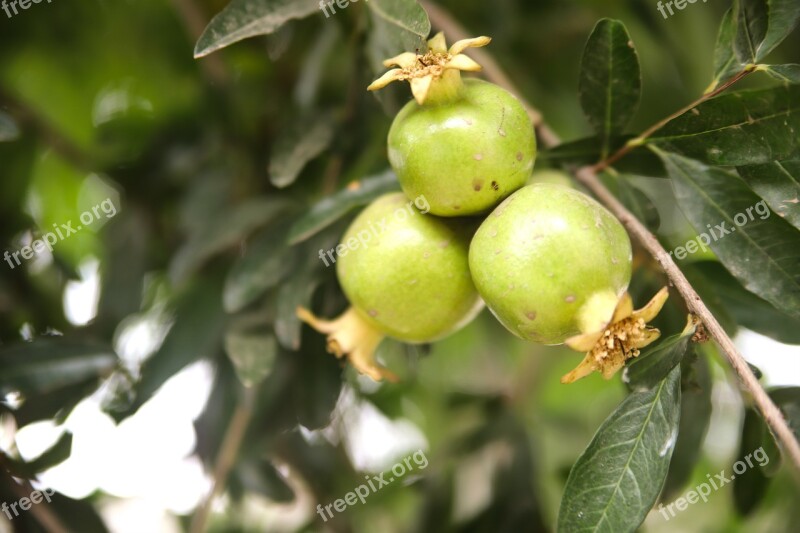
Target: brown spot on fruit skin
[(495, 186), (456, 207), (569, 299), (478, 157), (531, 315), (519, 156), (477, 184), (501, 132), (372, 312)]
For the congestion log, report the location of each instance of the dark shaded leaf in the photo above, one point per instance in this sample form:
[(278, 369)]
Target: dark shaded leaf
[(196, 333), (750, 484), (9, 131), (304, 140), (332, 208), (55, 455), (244, 18), (223, 232), (696, 406), (748, 309), (317, 390), (262, 478), (786, 73), (616, 481), (779, 184), (267, 260), (725, 61), (56, 404), (397, 26), (762, 254), (788, 400), (252, 354), (49, 363), (655, 363), (588, 151), (638, 203), (610, 80), (762, 25), (742, 128)]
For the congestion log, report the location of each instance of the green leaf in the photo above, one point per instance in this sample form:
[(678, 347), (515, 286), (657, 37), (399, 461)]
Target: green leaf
[(751, 28), (725, 62), (750, 486), (788, 400), (638, 203), (778, 183), (261, 477), (588, 151), (55, 455), (786, 73), (762, 253), (305, 140), (655, 363), (253, 355), (748, 309), (696, 406), (267, 260), (617, 479), (397, 26), (49, 363), (224, 231), (762, 25), (610, 80), (332, 208), (9, 131), (247, 18), (195, 334), (742, 128)]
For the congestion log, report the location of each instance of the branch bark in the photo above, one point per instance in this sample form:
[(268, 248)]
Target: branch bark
[(588, 177)]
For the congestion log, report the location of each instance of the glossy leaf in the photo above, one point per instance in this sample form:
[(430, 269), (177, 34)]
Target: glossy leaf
[(616, 481), (244, 18), (332, 208), (588, 151), (610, 80), (397, 26), (252, 354), (778, 183), (762, 25), (762, 253), (725, 62), (304, 140), (786, 73), (750, 485), (696, 407), (55, 455), (49, 363), (742, 128), (656, 362)]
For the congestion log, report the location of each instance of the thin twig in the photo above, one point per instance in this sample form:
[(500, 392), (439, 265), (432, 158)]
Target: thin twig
[(588, 177), (43, 514), (228, 451)]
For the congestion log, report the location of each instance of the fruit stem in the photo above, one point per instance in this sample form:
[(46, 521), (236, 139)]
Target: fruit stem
[(352, 336)]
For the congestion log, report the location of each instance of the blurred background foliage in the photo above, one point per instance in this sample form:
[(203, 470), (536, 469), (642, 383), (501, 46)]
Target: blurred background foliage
[(229, 173)]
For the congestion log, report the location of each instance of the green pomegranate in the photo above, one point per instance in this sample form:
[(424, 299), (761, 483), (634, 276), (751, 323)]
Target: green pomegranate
[(551, 263), (464, 145), (406, 275)]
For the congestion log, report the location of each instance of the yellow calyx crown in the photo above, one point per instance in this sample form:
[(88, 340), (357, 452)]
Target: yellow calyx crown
[(619, 340), (434, 75)]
